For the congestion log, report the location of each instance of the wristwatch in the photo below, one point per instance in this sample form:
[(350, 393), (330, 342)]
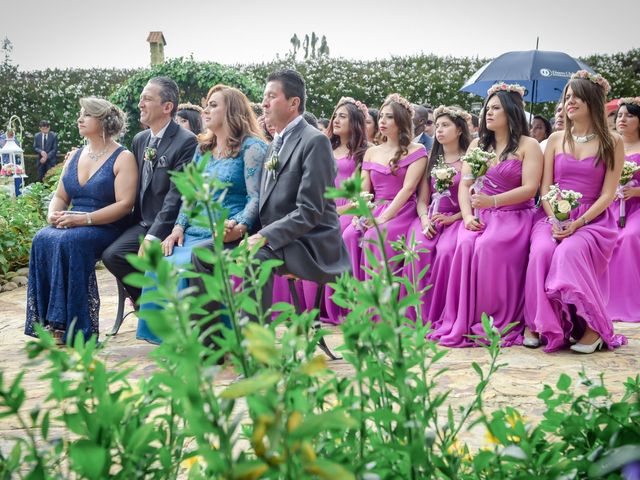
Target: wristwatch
[(89, 220)]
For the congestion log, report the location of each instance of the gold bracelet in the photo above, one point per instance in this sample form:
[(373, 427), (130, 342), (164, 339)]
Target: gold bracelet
[(495, 201)]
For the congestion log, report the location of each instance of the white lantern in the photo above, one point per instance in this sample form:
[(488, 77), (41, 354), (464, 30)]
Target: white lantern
[(12, 157)]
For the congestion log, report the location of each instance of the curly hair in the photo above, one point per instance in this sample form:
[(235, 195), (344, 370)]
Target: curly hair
[(403, 118), (111, 117)]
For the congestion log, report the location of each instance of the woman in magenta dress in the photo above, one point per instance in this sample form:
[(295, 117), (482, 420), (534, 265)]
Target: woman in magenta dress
[(563, 294), (391, 171), (439, 215), (347, 133), (624, 269), (487, 270)]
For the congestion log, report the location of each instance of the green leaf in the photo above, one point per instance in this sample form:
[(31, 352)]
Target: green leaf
[(251, 385), (249, 470), (139, 280), (614, 460), (564, 382), (89, 459), (329, 470), (261, 343), (312, 425)]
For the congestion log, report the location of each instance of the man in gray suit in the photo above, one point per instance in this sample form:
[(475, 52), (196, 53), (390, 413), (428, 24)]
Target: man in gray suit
[(161, 148), (299, 225)]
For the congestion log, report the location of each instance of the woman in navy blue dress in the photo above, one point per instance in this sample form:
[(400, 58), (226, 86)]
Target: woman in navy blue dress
[(96, 191)]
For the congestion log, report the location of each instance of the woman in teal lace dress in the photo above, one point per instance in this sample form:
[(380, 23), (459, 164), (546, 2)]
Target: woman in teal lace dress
[(234, 151)]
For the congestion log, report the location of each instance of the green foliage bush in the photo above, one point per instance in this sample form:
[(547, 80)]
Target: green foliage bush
[(426, 79), (53, 94), (193, 78), (20, 219), (387, 421)]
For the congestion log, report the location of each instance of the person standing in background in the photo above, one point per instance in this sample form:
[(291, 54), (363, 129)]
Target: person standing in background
[(45, 144)]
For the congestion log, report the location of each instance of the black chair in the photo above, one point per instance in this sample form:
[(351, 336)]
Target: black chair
[(120, 315), (322, 344)]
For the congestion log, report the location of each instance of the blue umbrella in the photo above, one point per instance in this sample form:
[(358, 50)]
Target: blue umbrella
[(543, 74)]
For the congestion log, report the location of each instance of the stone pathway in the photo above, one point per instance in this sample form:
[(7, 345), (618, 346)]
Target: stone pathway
[(517, 384)]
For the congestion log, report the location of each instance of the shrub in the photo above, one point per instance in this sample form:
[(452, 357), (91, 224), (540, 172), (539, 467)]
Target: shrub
[(193, 78), (386, 421), (427, 79), (53, 94)]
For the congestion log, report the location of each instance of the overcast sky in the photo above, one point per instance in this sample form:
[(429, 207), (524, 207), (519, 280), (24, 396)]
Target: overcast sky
[(112, 33)]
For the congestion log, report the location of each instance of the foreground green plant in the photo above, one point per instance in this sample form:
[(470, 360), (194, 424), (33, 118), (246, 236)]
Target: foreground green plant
[(287, 415)]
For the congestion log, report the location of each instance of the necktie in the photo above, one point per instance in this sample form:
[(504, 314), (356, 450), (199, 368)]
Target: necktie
[(147, 165), (278, 140), (277, 143), (44, 140)]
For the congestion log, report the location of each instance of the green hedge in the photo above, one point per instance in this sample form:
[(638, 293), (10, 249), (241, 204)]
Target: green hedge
[(53, 94), (427, 79), (193, 78)]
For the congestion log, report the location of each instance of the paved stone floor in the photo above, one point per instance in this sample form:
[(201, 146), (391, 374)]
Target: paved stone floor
[(517, 384)]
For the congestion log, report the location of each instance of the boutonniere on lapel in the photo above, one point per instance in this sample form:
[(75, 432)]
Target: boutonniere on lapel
[(272, 165), (150, 154)]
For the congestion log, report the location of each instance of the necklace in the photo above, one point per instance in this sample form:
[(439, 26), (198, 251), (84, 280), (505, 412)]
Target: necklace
[(96, 155), (583, 138)]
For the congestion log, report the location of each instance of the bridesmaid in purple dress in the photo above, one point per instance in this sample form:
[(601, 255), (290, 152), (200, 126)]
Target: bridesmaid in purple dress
[(437, 232), (391, 171), (347, 133), (624, 268), (563, 294), (487, 270)]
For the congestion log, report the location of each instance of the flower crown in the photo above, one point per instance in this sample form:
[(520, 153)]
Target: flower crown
[(452, 112), (397, 98), (190, 106), (361, 106), (629, 101), (506, 87), (593, 77)]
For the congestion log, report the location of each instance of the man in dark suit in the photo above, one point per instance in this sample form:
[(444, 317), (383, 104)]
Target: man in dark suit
[(299, 225), (421, 118), (163, 147), (45, 144)]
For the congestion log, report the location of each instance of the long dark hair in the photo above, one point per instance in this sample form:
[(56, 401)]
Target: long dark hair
[(404, 122), (516, 120), (463, 140), (357, 143), (374, 113), (192, 114), (594, 96)]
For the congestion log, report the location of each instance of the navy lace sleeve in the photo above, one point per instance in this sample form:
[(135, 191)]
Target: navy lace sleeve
[(253, 159)]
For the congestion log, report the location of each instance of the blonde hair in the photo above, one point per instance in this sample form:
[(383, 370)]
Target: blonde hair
[(239, 118), (112, 118)]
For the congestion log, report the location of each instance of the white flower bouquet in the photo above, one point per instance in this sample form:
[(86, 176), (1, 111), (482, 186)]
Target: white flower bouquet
[(561, 203), (626, 180), (479, 162), (443, 175)]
